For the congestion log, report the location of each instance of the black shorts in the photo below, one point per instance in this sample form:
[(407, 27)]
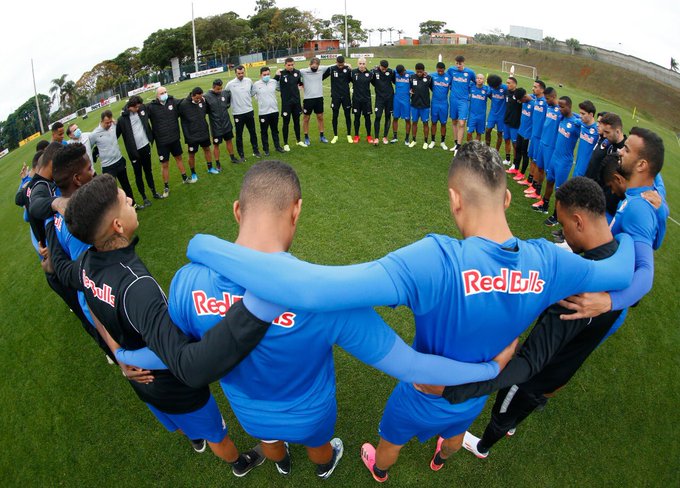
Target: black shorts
[(338, 102), (217, 140), (362, 107), (164, 150), (313, 105), (387, 104), (293, 109), (193, 146)]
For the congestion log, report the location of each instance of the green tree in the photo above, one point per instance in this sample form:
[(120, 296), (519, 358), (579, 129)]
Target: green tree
[(355, 32), (129, 61), (24, 121), (449, 31), (674, 64), (56, 89), (573, 44), (165, 44), (551, 42), (261, 5), (430, 27)]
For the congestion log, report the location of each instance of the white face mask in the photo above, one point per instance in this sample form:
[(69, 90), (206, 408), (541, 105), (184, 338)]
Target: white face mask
[(164, 97), (77, 133), (266, 78)]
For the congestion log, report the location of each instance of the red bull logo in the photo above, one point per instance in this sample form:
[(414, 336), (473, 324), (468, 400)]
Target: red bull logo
[(104, 293), (205, 305), (508, 281)]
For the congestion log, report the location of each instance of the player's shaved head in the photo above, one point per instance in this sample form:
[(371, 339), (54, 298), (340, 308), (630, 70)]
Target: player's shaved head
[(271, 186), (88, 207), (477, 173), (48, 155)]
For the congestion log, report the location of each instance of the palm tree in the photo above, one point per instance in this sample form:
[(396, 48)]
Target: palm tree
[(69, 95), (390, 30), (381, 30), (56, 88), (400, 32), (674, 64), (370, 31), (220, 47)]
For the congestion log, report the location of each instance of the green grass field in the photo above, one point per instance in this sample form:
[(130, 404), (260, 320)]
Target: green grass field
[(69, 418)]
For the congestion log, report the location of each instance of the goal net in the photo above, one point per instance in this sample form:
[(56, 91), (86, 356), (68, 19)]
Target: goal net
[(517, 69)]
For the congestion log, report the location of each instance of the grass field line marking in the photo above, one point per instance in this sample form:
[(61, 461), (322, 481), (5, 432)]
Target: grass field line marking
[(678, 223)]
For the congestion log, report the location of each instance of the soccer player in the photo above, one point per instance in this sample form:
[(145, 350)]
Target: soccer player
[(588, 137), (546, 144), (58, 132), (164, 125), (479, 95), (361, 99), (512, 118), (341, 76), (555, 349), (562, 159), (290, 81), (521, 160), (105, 137), (462, 80), (402, 101), (264, 90), (242, 108), (441, 86), (192, 112), (285, 389), (537, 119), (133, 125), (421, 86), (217, 105), (75, 134), (312, 80), (453, 286), (383, 81), (497, 90)]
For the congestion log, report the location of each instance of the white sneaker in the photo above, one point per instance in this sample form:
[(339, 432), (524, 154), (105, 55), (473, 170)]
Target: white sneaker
[(406, 143), (412, 144), (338, 449), (444, 146), (507, 162), (334, 140), (302, 144), (425, 146), (350, 139), (286, 148), (431, 146), (511, 432), (470, 443)]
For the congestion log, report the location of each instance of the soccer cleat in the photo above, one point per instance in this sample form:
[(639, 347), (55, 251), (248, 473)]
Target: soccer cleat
[(385, 140), (369, 139), (286, 148), (234, 159), (284, 470), (444, 146), (351, 140), (432, 143), (307, 141), (166, 193), (524, 182), (147, 202), (280, 150), (406, 143), (376, 141), (254, 458), (507, 162), (186, 181), (518, 176), (368, 457), (257, 154), (301, 144), (213, 171), (511, 432), (533, 195), (338, 449), (425, 145), (323, 140), (108, 359), (193, 178), (543, 208), (334, 140), (412, 144), (470, 443), (550, 222), (538, 204), (394, 140), (355, 139), (218, 165), (455, 148), (266, 153), (433, 465), (157, 196), (558, 238), (530, 189), (199, 445), (512, 171)]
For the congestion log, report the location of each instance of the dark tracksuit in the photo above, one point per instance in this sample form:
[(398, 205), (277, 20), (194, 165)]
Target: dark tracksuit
[(139, 157), (289, 83), (340, 80), (361, 99), (384, 98)]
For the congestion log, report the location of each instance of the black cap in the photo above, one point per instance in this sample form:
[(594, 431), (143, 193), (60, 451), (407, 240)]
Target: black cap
[(217, 82)]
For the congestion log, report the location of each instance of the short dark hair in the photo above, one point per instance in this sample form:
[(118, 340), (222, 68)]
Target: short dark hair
[(541, 83), (610, 118), (340, 59), (494, 81), (549, 91), (520, 93), (288, 60), (482, 163), (610, 166), (440, 65), (420, 66), (652, 150), (36, 159), (240, 67), (588, 106), (384, 63), (68, 129), (400, 69), (217, 82), (314, 60), (273, 183), (68, 160), (583, 194), (88, 205), (134, 100), (197, 91), (601, 114), (48, 154), (107, 114), (460, 58), (566, 99), (56, 126), (42, 145), (263, 69), (513, 79)]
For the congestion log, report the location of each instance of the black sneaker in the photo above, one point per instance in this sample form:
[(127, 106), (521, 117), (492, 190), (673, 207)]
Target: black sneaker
[(266, 153), (338, 449), (254, 458), (280, 149), (157, 196), (147, 202), (550, 221), (284, 468), (257, 154), (199, 445), (218, 166), (558, 238), (557, 233)]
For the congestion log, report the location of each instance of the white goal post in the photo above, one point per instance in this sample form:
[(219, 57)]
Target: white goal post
[(517, 69)]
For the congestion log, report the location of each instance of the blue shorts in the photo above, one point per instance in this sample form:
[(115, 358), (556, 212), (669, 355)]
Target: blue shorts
[(402, 109), (420, 113), (559, 170), (409, 413), (458, 109), (476, 124), (494, 122), (543, 156), (440, 113), (534, 145), (205, 423), (510, 134)]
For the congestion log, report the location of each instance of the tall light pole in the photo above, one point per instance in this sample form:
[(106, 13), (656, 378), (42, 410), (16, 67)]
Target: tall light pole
[(346, 37), (37, 104), (193, 30)]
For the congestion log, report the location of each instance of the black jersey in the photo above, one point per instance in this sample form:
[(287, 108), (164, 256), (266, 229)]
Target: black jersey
[(39, 195), (420, 91), (362, 85), (340, 80), (289, 83), (383, 83), (513, 110)]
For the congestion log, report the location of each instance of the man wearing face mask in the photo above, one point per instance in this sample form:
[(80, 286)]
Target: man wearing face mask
[(76, 135), (312, 79), (242, 108), (264, 90)]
